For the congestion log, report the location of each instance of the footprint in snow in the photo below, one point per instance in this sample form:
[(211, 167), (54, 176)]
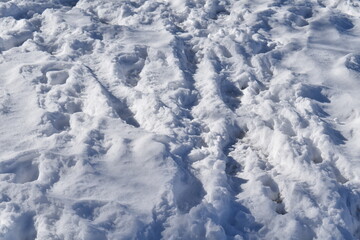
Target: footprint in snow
[(55, 122), (20, 169), (57, 77), (87, 209), (271, 190), (352, 62), (128, 66), (303, 11), (55, 73), (341, 23)]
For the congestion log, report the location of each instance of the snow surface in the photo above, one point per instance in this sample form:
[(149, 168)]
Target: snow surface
[(179, 119)]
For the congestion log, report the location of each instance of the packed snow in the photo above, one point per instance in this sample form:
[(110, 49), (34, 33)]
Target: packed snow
[(179, 119)]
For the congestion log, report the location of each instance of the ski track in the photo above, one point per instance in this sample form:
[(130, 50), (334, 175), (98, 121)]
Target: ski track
[(174, 119)]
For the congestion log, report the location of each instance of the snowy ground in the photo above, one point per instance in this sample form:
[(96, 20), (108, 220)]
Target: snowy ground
[(179, 119)]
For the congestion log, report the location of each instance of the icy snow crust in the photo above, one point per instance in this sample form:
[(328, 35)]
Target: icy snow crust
[(174, 119)]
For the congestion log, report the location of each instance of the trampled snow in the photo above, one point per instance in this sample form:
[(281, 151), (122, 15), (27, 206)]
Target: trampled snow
[(171, 119)]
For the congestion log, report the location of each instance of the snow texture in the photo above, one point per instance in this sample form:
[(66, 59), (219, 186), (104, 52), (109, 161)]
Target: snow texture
[(179, 119)]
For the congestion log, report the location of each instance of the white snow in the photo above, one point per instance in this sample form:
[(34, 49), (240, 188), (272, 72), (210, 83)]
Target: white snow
[(170, 119)]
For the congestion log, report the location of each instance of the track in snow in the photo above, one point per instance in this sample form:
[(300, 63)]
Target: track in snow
[(179, 120)]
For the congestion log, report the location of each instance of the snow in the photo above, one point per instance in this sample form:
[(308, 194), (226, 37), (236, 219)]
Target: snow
[(169, 119)]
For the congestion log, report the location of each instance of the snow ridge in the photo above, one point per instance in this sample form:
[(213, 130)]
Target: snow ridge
[(196, 119)]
